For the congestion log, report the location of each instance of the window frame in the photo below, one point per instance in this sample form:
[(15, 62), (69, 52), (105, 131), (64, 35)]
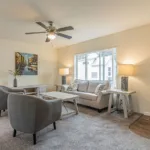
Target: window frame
[(102, 54)]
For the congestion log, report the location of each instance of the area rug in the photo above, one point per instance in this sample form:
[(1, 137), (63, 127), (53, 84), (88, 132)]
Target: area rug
[(141, 126), (89, 130)]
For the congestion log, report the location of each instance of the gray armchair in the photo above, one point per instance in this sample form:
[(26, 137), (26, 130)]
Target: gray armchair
[(30, 114), (3, 100), (10, 90), (4, 92)]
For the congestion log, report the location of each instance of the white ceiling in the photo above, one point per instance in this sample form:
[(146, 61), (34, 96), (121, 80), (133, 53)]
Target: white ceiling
[(90, 18)]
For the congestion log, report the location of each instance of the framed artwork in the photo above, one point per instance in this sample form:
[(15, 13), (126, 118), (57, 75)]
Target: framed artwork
[(26, 64)]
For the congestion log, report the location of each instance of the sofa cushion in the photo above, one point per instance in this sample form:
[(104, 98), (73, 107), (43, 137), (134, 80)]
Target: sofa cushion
[(84, 95), (102, 87), (92, 86), (83, 85)]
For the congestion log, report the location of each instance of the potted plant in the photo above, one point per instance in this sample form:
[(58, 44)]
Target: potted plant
[(15, 74)]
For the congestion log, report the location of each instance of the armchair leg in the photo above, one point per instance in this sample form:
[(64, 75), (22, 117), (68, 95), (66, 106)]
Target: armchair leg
[(14, 133), (34, 138), (54, 124)]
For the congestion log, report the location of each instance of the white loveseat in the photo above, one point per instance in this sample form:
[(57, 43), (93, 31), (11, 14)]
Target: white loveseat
[(91, 93)]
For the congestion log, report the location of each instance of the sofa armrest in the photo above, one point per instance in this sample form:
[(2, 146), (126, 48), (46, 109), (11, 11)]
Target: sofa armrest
[(103, 95), (104, 92)]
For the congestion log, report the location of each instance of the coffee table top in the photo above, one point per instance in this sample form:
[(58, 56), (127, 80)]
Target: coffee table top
[(59, 95)]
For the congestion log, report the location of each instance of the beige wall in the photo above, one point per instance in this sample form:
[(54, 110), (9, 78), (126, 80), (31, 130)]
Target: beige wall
[(133, 47), (47, 61)]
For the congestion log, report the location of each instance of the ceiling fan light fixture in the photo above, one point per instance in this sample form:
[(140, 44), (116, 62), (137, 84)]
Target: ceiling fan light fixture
[(51, 36), (52, 32)]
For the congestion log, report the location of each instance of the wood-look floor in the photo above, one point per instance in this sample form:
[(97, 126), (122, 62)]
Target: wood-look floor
[(141, 126)]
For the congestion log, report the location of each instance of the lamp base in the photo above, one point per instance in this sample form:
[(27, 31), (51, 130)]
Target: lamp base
[(124, 83), (63, 80)]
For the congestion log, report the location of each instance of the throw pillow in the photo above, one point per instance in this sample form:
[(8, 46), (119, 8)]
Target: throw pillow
[(73, 86), (102, 87)]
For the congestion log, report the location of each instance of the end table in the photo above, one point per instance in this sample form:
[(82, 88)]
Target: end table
[(125, 96)]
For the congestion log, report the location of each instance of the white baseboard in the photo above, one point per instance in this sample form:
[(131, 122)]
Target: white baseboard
[(146, 113)]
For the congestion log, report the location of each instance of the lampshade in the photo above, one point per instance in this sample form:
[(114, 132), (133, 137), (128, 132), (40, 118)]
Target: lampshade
[(126, 70), (64, 71)]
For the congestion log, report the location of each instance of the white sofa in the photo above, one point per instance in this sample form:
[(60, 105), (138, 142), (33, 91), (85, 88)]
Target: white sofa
[(91, 93)]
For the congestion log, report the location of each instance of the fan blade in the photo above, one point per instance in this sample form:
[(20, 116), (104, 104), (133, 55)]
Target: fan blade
[(65, 29), (47, 40), (35, 32), (64, 35), (42, 25)]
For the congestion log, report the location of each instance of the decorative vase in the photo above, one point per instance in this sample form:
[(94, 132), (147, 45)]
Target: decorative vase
[(15, 82)]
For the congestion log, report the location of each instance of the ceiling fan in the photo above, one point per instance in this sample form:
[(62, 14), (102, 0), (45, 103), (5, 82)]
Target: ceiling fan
[(52, 32)]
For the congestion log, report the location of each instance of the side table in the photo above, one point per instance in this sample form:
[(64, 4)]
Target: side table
[(125, 96)]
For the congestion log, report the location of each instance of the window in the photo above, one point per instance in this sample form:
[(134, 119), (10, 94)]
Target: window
[(99, 65), (94, 75), (109, 71)]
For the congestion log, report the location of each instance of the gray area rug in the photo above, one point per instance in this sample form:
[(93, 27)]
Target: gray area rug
[(87, 131)]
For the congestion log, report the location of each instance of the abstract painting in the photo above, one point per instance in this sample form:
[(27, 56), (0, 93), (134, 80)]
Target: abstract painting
[(27, 64)]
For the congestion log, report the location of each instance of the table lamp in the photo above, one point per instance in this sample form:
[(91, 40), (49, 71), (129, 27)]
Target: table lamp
[(125, 70), (64, 72)]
